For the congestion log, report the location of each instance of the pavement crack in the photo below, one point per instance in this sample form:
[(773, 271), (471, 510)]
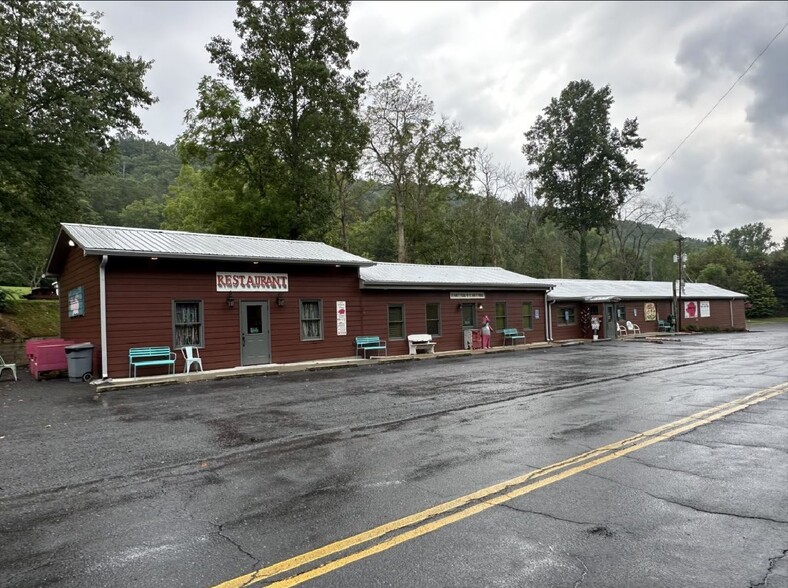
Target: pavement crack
[(220, 531), (722, 444), (689, 506), (672, 470), (770, 570), (715, 512), (585, 572), (544, 514)]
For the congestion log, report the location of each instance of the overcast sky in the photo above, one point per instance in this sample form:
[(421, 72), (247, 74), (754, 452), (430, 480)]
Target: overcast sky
[(493, 67)]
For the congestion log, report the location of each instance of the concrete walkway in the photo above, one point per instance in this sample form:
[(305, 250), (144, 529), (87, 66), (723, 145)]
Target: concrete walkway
[(271, 369)]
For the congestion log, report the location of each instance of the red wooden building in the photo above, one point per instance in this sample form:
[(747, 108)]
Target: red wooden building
[(574, 302), (240, 300), (446, 302), (247, 301)]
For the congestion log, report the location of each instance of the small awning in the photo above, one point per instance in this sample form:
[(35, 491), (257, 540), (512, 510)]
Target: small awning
[(596, 299)]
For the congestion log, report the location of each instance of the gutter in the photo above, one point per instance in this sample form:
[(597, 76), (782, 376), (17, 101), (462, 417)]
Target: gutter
[(103, 304)]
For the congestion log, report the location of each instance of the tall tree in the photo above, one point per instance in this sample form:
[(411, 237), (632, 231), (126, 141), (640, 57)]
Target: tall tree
[(751, 242), (412, 152), (639, 222), (63, 95), (284, 114), (492, 181), (580, 161)]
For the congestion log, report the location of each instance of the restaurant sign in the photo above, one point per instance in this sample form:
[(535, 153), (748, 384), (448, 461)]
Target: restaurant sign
[(466, 295), (249, 282)]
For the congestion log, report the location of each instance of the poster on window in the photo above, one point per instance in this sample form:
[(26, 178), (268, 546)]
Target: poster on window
[(690, 309), (705, 309), (76, 302), (650, 311), (341, 318)]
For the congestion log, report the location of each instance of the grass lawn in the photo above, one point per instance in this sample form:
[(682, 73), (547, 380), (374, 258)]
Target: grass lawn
[(771, 319), (15, 291)]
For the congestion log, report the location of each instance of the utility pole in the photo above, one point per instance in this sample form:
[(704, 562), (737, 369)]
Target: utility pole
[(678, 288)]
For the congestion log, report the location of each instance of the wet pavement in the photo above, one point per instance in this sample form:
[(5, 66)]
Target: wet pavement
[(193, 484)]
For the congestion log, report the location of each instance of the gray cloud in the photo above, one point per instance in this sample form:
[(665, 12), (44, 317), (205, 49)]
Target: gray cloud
[(494, 66), (726, 44)]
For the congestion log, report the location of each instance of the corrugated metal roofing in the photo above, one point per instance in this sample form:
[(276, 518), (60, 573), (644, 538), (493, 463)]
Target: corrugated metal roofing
[(410, 275), (629, 289), (104, 240)]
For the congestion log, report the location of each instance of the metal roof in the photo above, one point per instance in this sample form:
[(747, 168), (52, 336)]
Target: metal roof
[(412, 276), (631, 289), (134, 242)]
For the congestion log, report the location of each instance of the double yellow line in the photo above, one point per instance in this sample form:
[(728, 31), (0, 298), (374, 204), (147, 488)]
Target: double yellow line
[(431, 519)]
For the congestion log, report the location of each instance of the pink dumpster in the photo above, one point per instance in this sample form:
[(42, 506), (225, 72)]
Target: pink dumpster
[(46, 355)]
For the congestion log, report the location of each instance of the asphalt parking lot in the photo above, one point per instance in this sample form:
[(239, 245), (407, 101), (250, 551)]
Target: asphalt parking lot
[(128, 487)]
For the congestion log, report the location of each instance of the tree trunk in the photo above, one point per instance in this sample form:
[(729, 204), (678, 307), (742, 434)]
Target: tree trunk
[(583, 256), (399, 204)]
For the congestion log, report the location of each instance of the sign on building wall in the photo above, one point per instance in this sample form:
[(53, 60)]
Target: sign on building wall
[(466, 295), (650, 311), (705, 309), (690, 309), (341, 318), (76, 302), (247, 282)]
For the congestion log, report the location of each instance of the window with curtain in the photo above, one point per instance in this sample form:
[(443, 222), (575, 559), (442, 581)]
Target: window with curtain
[(567, 316), (311, 320), (527, 310), (187, 324), (500, 316), (621, 313), (433, 312), (396, 321)]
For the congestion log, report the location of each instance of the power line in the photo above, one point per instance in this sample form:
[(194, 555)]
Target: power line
[(718, 101)]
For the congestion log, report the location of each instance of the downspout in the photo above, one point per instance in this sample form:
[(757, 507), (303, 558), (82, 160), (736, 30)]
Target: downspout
[(103, 302), (731, 303), (548, 306)]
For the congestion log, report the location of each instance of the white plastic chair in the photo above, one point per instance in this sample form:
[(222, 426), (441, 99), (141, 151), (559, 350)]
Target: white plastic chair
[(621, 329), (634, 328), (8, 366), (192, 356)]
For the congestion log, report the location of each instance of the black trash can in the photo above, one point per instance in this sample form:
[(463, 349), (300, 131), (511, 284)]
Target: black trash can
[(80, 362)]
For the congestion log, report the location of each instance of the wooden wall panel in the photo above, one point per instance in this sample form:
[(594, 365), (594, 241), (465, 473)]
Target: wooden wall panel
[(375, 315), (140, 307), (82, 271), (720, 312), (561, 331)]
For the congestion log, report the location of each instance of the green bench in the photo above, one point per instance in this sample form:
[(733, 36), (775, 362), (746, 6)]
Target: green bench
[(147, 356), (366, 344), (512, 335), (664, 327)]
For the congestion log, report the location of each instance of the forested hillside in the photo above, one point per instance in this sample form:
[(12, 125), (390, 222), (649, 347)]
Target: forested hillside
[(308, 149)]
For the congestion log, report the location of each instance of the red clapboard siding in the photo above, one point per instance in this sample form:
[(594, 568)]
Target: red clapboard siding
[(82, 271), (376, 304), (140, 294), (561, 331)]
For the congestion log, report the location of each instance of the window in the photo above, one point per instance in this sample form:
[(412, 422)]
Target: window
[(396, 321), (567, 316), (527, 325), (311, 320), (433, 313), (621, 313), (500, 316), (468, 315), (187, 323)]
